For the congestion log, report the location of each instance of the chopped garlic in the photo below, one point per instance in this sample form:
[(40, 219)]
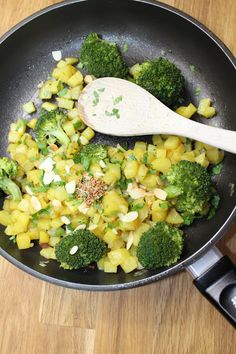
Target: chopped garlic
[(28, 190), (56, 203), (130, 240), (102, 164), (80, 227), (36, 203), (131, 216), (159, 181), (48, 177), (73, 250), (47, 165), (57, 55), (57, 178), (65, 219), (69, 164), (83, 208), (92, 227), (99, 174), (160, 193), (70, 187)]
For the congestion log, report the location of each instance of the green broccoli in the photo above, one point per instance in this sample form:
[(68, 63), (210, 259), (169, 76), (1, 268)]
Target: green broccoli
[(89, 153), (102, 58), (191, 186), (79, 249), (48, 126), (160, 246), (8, 170), (161, 78)]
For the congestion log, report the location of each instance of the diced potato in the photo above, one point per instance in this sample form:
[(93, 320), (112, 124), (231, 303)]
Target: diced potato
[(159, 210), (14, 137), (189, 156), (187, 111), (69, 128), (64, 73), (157, 140), (214, 155), (88, 133), (44, 224), (117, 244), (161, 164), (142, 172), (48, 253), (24, 205), (75, 80), (174, 217), (23, 241), (34, 176), (58, 193), (20, 223), (131, 169), (43, 237), (205, 109), (118, 257), (65, 103), (172, 142), (150, 181), (75, 92), (49, 106), (57, 222), (129, 264), (112, 174), (71, 60), (108, 267), (33, 234), (54, 240), (160, 153), (113, 203), (29, 107), (5, 218), (138, 233), (135, 70), (201, 159), (152, 149)]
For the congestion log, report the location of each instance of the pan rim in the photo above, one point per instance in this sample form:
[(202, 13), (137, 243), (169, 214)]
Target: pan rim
[(179, 266)]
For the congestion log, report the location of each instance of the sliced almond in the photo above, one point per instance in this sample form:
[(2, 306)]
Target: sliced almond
[(131, 216), (83, 208), (28, 190), (35, 203), (56, 203), (130, 240), (160, 193), (74, 249), (48, 177), (65, 220), (70, 187)]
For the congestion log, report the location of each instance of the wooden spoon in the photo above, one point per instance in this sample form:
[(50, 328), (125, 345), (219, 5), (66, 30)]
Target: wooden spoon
[(118, 107)]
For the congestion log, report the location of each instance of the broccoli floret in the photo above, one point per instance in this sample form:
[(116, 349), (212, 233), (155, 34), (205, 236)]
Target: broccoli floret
[(79, 249), (89, 153), (102, 58), (193, 186), (8, 170), (49, 126), (162, 79), (160, 246)]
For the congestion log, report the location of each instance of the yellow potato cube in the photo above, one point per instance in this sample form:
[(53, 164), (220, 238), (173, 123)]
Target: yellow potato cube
[(43, 237), (150, 181), (44, 224), (76, 79), (69, 128), (213, 155), (5, 218), (24, 205), (48, 253), (161, 153), (161, 164), (57, 222), (64, 73), (129, 264), (23, 241), (33, 234), (65, 103), (174, 217), (109, 237), (142, 172), (187, 111), (71, 60), (29, 107), (49, 106), (172, 142), (119, 256), (113, 203), (34, 176), (205, 109), (112, 174), (109, 267), (138, 233), (88, 133), (31, 124), (131, 169)]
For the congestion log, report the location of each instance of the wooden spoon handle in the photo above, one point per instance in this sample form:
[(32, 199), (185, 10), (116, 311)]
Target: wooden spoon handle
[(221, 138)]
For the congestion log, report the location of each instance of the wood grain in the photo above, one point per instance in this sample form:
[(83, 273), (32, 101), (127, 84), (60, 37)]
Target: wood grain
[(167, 317)]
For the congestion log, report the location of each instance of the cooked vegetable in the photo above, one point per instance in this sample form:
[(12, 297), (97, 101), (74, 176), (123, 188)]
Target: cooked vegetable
[(89, 153), (8, 171), (162, 79), (205, 109), (191, 185), (160, 246), (102, 58), (49, 125), (79, 249)]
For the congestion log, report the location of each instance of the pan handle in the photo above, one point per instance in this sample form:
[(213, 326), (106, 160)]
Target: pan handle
[(215, 277)]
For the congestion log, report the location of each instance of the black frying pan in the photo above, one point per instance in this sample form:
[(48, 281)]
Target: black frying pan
[(149, 28)]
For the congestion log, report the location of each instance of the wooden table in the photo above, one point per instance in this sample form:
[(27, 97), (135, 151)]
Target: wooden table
[(169, 317)]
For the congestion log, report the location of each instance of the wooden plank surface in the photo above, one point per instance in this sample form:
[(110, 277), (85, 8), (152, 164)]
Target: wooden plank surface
[(167, 317)]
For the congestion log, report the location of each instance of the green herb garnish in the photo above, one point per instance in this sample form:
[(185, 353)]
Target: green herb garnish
[(118, 99), (80, 65), (96, 98), (216, 170), (137, 207), (197, 91), (192, 68), (63, 92), (145, 158), (125, 47), (115, 112)]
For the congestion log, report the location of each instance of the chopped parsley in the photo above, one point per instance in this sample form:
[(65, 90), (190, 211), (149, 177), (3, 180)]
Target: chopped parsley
[(77, 124), (197, 91), (132, 157), (145, 158), (152, 172), (137, 207), (96, 98), (192, 68), (214, 205), (115, 112), (41, 212), (125, 47), (118, 99), (63, 92), (216, 170), (13, 238), (164, 205), (80, 65)]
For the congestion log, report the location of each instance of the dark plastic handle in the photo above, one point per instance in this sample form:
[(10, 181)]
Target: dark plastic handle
[(218, 285)]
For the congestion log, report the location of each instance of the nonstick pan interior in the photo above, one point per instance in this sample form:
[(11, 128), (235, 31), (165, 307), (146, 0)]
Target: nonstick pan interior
[(150, 31)]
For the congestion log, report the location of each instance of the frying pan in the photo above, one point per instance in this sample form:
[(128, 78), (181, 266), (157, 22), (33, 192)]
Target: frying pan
[(149, 29)]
